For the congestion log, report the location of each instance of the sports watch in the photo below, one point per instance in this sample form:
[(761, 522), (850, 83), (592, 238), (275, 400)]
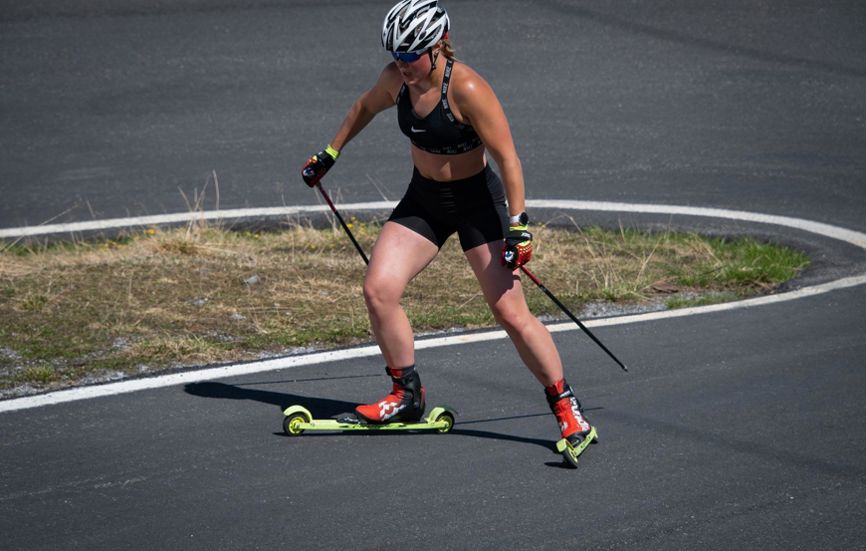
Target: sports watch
[(521, 219)]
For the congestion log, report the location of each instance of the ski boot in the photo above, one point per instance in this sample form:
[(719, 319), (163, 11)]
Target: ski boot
[(576, 431), (404, 404)]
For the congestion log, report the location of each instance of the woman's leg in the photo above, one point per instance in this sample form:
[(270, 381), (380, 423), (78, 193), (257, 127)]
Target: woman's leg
[(533, 341), (398, 256), (504, 294)]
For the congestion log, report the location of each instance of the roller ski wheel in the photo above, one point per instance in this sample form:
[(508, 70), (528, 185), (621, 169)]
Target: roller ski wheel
[(444, 420), (571, 451), (298, 420), (293, 423)]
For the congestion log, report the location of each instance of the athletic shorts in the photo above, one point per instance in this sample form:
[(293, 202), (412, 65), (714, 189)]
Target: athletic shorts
[(473, 207)]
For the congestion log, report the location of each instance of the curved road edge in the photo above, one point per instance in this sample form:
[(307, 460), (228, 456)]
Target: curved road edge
[(851, 237)]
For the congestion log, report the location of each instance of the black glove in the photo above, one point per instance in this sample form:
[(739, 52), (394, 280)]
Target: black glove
[(318, 165)]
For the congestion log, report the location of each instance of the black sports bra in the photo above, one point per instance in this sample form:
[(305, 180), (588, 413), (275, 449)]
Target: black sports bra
[(439, 132)]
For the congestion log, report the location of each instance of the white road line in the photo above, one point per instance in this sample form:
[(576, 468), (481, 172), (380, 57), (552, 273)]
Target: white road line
[(834, 232), (182, 217), (842, 234)]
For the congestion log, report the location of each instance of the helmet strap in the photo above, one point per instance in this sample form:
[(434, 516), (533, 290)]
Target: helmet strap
[(432, 60)]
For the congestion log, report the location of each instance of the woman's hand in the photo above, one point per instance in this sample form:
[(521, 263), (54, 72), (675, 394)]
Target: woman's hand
[(517, 249), (318, 165)]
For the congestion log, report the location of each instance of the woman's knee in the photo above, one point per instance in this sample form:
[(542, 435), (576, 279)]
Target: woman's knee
[(513, 316), (381, 293)]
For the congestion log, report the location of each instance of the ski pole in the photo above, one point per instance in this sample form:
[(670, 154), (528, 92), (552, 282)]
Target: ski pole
[(572, 316), (523, 268), (342, 222)]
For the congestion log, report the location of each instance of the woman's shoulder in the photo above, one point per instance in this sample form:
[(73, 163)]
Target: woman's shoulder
[(390, 79), (390, 74), (467, 84)]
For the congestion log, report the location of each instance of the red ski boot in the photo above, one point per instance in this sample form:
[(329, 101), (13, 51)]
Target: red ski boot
[(569, 413), (404, 404)]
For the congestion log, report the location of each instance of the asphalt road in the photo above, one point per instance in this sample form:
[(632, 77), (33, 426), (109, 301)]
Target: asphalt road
[(739, 429)]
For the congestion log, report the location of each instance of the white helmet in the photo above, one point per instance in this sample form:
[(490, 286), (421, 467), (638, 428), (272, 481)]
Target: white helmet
[(414, 26)]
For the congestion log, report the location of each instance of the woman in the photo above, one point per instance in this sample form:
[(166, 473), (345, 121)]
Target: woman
[(452, 118)]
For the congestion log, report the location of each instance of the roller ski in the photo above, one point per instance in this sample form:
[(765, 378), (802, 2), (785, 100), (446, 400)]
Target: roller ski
[(298, 420), (577, 433), (402, 409)]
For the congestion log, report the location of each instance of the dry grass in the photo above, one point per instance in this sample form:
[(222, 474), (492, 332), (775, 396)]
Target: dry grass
[(199, 295)]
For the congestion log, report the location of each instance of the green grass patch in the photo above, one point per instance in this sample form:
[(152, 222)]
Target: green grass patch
[(199, 295)]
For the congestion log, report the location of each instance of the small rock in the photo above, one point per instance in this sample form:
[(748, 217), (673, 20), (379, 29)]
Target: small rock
[(663, 286)]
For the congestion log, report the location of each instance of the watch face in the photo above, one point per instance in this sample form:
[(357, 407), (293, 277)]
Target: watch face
[(521, 219)]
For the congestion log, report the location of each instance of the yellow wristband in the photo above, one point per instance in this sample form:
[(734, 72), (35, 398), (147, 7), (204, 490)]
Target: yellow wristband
[(332, 152)]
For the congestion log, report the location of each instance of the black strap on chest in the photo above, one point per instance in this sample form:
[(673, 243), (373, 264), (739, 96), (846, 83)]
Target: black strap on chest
[(446, 81)]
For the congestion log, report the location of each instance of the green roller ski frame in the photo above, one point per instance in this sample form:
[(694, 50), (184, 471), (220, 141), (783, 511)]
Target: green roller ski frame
[(298, 420), (571, 452)]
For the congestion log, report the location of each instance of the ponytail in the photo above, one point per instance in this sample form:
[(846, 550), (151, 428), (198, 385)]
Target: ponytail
[(447, 48)]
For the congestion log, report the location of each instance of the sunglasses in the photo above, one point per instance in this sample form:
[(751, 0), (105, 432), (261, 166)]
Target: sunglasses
[(408, 57)]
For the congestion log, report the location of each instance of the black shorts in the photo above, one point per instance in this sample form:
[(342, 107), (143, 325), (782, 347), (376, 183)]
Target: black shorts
[(473, 207)]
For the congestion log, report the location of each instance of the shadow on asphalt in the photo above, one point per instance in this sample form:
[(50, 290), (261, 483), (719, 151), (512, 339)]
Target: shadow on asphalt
[(327, 408), (323, 407)]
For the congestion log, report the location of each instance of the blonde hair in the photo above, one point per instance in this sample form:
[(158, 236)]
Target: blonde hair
[(447, 48)]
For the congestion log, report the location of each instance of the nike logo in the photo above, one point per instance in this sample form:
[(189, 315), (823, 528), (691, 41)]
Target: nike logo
[(416, 130)]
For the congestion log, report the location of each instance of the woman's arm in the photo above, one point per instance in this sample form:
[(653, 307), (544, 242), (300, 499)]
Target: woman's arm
[(479, 106), (375, 100), (380, 97)]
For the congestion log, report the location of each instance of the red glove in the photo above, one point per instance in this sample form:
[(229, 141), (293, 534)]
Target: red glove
[(517, 250)]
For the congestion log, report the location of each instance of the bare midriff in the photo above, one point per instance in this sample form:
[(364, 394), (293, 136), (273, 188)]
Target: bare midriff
[(444, 168)]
